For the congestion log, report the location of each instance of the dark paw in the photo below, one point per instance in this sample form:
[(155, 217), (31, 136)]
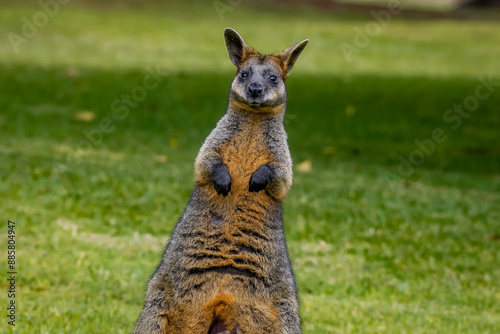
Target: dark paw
[(221, 179), (261, 178)]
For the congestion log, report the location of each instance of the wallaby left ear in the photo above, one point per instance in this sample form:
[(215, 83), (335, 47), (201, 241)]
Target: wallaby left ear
[(290, 55), (236, 46)]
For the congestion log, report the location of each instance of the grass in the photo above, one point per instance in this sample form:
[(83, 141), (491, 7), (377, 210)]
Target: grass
[(373, 252)]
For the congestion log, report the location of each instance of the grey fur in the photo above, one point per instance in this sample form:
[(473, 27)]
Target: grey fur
[(207, 156), (277, 144)]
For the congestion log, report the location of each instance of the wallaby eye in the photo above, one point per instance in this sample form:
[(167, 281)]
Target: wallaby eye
[(273, 78), (244, 74)]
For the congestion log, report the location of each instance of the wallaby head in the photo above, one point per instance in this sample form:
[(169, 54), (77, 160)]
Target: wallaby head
[(259, 85)]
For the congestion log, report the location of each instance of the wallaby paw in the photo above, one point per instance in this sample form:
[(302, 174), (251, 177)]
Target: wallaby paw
[(221, 179), (261, 178)]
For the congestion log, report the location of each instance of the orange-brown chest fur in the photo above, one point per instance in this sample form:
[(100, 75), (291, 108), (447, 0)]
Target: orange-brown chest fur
[(243, 154), (237, 233)]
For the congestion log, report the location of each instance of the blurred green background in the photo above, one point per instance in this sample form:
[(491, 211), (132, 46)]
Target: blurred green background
[(386, 235)]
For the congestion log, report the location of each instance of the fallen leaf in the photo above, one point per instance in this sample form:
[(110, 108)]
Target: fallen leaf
[(85, 116), (305, 166), (329, 150), (160, 158), (73, 72), (350, 110)]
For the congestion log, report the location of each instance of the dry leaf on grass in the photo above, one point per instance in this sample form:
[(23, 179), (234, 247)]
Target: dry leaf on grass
[(85, 116), (160, 158), (305, 166)]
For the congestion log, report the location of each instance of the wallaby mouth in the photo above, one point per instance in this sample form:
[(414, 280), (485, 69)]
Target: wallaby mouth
[(218, 327)]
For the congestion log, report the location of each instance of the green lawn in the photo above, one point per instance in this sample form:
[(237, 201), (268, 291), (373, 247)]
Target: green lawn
[(373, 251)]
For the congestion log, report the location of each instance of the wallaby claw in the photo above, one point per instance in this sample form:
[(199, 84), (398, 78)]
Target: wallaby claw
[(221, 179), (260, 178)]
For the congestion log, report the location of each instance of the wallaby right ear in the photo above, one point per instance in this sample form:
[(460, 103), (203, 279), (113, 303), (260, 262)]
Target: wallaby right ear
[(236, 46)]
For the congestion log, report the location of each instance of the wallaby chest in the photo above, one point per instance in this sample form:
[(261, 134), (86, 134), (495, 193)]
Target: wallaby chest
[(245, 152)]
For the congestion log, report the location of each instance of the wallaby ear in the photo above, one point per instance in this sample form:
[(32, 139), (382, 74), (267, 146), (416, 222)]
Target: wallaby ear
[(290, 55), (235, 45)]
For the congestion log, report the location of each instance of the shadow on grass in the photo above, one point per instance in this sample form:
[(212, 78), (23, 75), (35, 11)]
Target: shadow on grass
[(366, 118)]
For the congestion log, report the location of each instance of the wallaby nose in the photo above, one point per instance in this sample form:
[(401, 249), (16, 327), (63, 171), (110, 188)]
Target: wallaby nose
[(254, 89)]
